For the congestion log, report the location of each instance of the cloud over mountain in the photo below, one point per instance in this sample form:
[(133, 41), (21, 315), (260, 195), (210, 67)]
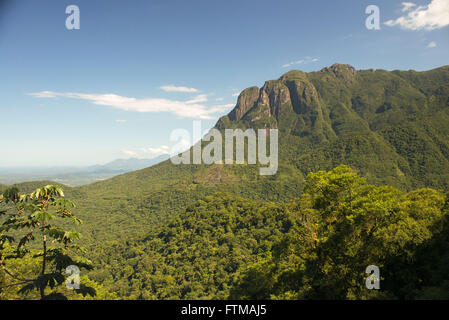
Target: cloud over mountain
[(185, 109)]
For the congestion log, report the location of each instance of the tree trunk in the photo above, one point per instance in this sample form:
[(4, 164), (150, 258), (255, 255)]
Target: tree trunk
[(44, 242)]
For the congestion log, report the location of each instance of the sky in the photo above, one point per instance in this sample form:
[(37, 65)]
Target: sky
[(136, 70)]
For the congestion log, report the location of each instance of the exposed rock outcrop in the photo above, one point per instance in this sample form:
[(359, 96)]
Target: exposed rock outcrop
[(245, 102), (345, 72)]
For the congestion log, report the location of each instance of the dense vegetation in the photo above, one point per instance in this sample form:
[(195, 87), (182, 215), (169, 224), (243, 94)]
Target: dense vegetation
[(25, 271), (315, 247), (197, 231), (223, 246), (343, 225)]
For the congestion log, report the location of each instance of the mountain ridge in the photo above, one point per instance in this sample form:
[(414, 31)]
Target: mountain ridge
[(389, 126), (376, 122), (339, 101)]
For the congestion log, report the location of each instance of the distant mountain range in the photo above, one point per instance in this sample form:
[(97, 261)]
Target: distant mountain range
[(76, 176), (125, 165)]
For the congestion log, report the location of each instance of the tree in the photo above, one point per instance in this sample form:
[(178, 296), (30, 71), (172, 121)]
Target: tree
[(343, 225), (36, 219)]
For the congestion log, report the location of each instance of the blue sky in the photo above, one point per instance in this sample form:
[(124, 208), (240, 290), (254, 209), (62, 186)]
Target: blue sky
[(136, 70)]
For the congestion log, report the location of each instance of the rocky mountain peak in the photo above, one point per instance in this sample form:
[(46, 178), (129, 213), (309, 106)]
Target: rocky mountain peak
[(245, 101), (293, 75), (345, 72)]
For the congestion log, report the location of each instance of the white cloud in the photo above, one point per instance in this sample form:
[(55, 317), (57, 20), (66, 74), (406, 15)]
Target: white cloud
[(406, 6), (432, 44), (120, 121), (44, 94), (129, 153), (155, 152), (306, 60), (185, 109), (199, 98), (433, 16), (219, 99), (292, 63), (236, 94), (221, 108), (173, 88)]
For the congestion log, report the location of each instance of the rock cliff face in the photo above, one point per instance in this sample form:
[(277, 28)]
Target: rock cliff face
[(245, 102), (293, 91), (389, 124)]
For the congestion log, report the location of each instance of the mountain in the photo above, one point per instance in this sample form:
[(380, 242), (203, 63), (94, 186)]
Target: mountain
[(76, 176), (389, 126), (190, 231), (392, 126)]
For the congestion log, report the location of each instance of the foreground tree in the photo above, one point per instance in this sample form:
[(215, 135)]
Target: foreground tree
[(36, 220)]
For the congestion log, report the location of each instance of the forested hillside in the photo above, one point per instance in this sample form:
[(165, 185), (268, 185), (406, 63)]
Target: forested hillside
[(310, 230), (314, 247), (392, 127)]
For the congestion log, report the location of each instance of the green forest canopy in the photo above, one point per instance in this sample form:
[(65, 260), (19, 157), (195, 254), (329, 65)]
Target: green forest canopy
[(314, 247)]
